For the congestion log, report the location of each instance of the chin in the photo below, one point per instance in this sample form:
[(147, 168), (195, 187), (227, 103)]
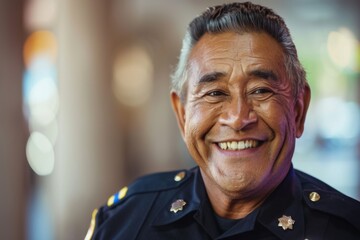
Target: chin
[(237, 182)]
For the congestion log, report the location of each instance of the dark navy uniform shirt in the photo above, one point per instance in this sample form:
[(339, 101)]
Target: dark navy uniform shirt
[(175, 205)]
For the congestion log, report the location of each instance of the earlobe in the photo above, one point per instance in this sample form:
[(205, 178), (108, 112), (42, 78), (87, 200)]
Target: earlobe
[(179, 110), (301, 108)]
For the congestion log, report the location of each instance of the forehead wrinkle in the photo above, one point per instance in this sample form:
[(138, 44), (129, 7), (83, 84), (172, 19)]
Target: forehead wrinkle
[(203, 72), (221, 49), (242, 58)]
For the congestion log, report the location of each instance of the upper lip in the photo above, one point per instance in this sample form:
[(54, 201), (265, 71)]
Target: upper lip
[(239, 139)]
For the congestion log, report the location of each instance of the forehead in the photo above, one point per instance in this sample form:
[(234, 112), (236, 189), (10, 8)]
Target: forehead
[(230, 49)]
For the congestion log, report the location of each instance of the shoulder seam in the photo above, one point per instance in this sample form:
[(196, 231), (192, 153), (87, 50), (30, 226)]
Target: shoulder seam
[(151, 183)]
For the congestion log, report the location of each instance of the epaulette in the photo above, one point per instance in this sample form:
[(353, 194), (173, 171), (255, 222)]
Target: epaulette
[(150, 183), (321, 197)]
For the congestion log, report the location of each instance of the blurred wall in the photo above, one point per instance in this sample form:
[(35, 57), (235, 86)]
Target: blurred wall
[(89, 148), (14, 175)]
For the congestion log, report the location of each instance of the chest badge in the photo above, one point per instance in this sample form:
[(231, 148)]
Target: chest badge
[(177, 205), (286, 222)]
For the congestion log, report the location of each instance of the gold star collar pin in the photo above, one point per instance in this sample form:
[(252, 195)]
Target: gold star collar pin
[(177, 205), (286, 222)]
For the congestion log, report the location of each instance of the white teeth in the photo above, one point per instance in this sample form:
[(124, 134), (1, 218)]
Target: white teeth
[(223, 145), (238, 145)]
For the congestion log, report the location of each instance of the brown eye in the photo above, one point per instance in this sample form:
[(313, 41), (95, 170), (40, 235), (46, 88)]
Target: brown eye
[(215, 96), (262, 91), (215, 93)]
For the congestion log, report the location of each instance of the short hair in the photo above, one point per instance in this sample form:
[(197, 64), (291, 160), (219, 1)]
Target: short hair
[(241, 18)]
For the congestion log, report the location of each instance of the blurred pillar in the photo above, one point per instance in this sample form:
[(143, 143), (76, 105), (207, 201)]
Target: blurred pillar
[(88, 168), (13, 166)]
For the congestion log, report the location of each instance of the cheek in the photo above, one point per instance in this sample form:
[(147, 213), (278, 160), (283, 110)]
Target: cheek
[(277, 114), (199, 122), (200, 119), (287, 116)]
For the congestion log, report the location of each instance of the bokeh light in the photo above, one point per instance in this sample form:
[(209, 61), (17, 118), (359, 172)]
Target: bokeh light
[(40, 44), (41, 99), (338, 120), (41, 94), (342, 48), (133, 76), (40, 154)]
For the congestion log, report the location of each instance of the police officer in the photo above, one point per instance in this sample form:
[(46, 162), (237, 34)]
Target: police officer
[(240, 97)]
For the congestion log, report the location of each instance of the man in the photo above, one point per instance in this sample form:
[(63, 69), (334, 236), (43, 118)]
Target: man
[(240, 97)]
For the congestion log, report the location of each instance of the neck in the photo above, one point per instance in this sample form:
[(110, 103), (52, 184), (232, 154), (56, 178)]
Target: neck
[(233, 205)]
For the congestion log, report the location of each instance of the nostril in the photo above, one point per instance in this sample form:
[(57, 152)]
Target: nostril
[(240, 120)]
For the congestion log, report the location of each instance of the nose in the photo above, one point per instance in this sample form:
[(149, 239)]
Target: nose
[(238, 114)]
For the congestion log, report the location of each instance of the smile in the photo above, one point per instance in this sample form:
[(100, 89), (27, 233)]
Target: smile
[(240, 145)]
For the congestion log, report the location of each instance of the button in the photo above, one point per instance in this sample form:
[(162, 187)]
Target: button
[(180, 176), (314, 196)]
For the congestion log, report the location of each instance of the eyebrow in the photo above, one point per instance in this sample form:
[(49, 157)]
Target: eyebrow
[(211, 77), (265, 74), (260, 73)]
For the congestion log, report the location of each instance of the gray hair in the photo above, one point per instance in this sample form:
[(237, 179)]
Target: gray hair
[(239, 17)]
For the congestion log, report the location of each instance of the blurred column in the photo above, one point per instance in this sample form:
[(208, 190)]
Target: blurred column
[(88, 168), (13, 166)]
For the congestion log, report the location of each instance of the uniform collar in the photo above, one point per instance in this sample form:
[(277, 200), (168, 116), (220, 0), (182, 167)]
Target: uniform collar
[(285, 200), (191, 192), (197, 205)]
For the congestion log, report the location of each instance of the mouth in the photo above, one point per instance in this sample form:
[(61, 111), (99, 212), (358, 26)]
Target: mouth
[(238, 145)]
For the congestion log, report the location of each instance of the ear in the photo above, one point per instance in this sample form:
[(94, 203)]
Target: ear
[(179, 110), (301, 107)]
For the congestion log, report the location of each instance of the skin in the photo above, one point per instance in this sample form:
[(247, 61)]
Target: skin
[(237, 90)]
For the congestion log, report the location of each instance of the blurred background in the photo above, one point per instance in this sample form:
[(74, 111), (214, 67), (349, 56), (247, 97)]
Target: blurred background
[(84, 102)]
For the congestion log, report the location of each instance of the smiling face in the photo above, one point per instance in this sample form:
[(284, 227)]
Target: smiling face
[(240, 119)]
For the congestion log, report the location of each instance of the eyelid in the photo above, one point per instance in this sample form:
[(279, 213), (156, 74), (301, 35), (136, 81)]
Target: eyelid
[(263, 90), (218, 92), (264, 94)]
